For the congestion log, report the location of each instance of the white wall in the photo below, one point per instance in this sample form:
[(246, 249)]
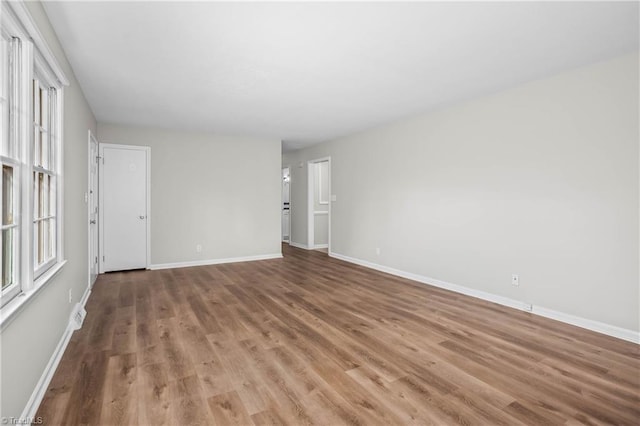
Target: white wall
[(540, 180), (31, 338), (221, 192)]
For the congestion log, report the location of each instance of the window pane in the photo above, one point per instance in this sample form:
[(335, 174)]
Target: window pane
[(41, 203), (7, 257), (4, 97), (39, 248), (52, 195), (44, 108), (52, 128), (35, 195), (52, 240), (4, 128), (45, 240), (37, 146), (45, 195), (7, 195), (36, 102), (40, 140), (44, 150)]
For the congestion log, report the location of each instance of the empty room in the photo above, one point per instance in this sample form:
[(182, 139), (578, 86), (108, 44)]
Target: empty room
[(320, 213)]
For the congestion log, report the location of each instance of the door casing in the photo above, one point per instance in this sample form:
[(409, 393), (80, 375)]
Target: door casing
[(92, 209)]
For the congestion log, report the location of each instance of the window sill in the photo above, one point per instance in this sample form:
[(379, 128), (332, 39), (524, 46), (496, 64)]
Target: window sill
[(11, 310)]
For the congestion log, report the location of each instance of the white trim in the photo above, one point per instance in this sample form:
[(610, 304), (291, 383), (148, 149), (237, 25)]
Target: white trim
[(148, 152), (321, 246), (18, 303), (282, 206), (192, 263), (320, 212), (599, 327), (298, 245), (37, 395), (90, 162), (25, 18), (85, 297)]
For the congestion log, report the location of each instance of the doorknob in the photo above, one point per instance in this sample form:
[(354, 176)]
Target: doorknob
[(141, 217), (92, 222)]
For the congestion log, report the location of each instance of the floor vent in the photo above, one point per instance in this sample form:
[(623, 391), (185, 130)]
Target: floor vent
[(78, 317)]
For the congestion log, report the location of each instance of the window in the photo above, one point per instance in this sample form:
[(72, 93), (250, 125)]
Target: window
[(44, 177), (10, 160), (30, 155)]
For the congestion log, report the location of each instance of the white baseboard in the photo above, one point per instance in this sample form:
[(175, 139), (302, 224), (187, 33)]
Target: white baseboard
[(37, 395), (298, 245), (214, 261), (321, 246), (599, 327)]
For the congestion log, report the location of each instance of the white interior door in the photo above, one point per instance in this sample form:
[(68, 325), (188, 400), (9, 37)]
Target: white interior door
[(92, 207), (124, 206), (319, 203)]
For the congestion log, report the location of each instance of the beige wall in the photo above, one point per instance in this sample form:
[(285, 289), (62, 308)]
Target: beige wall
[(221, 192), (31, 338), (540, 180)]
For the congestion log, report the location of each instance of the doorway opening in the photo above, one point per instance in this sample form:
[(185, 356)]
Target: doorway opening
[(319, 204)]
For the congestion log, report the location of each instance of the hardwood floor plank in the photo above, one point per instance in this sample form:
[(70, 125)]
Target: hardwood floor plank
[(227, 409), (173, 351), (120, 395), (153, 395), (188, 407), (311, 340), (86, 399)]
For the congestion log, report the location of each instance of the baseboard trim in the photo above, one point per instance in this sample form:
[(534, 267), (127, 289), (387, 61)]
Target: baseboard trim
[(37, 395), (214, 261), (298, 245), (321, 246), (599, 327)]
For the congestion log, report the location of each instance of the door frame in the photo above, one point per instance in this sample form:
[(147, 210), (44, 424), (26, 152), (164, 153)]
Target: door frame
[(282, 207), (310, 204), (90, 162), (147, 151)]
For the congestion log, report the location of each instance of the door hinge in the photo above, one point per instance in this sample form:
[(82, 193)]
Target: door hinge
[(103, 258), (98, 159), (96, 260)]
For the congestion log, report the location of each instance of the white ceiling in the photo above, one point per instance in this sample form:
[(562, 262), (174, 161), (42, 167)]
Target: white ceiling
[(309, 72)]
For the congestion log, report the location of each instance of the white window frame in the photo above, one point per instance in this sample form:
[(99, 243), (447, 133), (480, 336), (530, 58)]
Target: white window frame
[(14, 160), (36, 59), (42, 75)]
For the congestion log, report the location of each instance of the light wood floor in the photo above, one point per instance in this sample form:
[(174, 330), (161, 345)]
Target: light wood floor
[(313, 340)]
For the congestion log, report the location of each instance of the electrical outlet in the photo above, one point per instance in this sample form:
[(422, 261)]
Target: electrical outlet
[(378, 251), (199, 248), (70, 296), (515, 280)]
